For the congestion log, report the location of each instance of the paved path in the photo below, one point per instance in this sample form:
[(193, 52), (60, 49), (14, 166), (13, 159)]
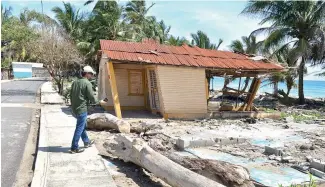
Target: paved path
[(55, 166), (17, 104)]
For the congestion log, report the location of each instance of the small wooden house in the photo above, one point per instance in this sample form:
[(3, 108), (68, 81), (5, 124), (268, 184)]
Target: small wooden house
[(169, 80)]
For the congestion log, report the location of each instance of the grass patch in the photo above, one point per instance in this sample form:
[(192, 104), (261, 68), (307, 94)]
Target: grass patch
[(268, 110), (302, 117), (311, 183)]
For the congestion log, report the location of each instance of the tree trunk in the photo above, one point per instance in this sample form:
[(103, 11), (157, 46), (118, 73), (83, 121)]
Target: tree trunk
[(288, 90), (246, 83), (222, 172), (275, 88), (105, 121), (301, 81), (138, 152)]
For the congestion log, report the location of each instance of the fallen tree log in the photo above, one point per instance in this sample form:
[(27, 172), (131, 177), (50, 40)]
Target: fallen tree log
[(223, 172), (145, 127), (105, 121), (138, 152)]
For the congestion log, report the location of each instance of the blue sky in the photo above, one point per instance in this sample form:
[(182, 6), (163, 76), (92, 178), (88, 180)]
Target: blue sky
[(219, 19)]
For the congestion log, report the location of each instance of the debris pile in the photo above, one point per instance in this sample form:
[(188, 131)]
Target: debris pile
[(224, 152)]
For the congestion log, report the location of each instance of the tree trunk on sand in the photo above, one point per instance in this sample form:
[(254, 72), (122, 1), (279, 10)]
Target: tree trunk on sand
[(138, 152), (301, 81), (104, 121), (222, 172)]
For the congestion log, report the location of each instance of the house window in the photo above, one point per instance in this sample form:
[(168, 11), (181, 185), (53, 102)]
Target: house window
[(136, 82)]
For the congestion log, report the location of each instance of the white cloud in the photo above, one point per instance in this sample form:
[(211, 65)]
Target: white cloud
[(229, 25)]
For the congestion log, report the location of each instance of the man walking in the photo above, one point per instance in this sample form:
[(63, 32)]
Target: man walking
[(81, 95)]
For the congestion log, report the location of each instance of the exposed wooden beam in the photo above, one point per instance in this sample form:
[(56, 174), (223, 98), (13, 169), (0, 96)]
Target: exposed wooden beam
[(252, 96), (114, 91)]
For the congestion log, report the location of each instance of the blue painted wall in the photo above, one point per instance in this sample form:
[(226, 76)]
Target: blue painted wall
[(22, 74), (22, 70)]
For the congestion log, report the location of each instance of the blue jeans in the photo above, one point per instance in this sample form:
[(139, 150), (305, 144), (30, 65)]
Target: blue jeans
[(80, 131)]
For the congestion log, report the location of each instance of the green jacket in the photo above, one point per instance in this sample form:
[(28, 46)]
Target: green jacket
[(81, 96)]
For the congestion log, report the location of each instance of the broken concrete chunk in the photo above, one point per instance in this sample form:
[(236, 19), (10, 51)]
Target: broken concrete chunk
[(272, 157), (289, 119), (317, 164), (287, 159), (309, 158), (102, 121), (228, 141), (303, 167), (317, 173), (187, 142), (273, 151)]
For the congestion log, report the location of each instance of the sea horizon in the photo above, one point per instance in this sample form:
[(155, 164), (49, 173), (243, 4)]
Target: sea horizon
[(312, 88)]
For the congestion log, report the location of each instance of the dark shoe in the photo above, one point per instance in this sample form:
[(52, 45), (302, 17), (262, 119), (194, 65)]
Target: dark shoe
[(89, 144), (74, 151)]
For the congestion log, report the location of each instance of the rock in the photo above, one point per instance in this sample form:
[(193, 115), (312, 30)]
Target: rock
[(304, 147), (286, 127), (307, 147), (303, 167), (250, 120), (289, 119), (287, 159), (272, 157), (309, 158)]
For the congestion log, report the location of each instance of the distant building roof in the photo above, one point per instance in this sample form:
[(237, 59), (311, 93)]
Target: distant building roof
[(154, 53)]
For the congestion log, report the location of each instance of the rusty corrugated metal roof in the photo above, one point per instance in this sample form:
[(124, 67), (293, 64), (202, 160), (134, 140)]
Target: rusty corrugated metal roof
[(185, 55)]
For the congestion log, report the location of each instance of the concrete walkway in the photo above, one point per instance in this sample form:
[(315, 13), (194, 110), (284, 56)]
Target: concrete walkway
[(55, 166), (49, 95)]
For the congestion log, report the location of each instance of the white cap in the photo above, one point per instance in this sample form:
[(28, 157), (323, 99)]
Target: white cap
[(88, 69)]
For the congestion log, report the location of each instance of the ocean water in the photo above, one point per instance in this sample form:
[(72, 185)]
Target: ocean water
[(312, 88)]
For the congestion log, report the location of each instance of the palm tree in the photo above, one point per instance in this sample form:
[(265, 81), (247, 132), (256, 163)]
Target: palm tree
[(69, 19), (289, 76), (139, 24), (201, 40), (136, 12), (163, 32), (247, 45), (299, 24), (6, 13), (102, 23), (172, 40)]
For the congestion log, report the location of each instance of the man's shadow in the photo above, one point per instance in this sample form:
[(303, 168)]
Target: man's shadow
[(54, 149)]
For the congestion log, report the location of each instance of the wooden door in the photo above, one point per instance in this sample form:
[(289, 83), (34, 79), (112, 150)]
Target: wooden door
[(153, 90)]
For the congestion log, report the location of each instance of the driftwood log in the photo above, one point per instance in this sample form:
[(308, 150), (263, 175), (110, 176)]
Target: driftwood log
[(145, 127), (223, 172), (105, 121), (138, 152)]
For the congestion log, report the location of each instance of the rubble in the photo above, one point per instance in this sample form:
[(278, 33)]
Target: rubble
[(287, 142)]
